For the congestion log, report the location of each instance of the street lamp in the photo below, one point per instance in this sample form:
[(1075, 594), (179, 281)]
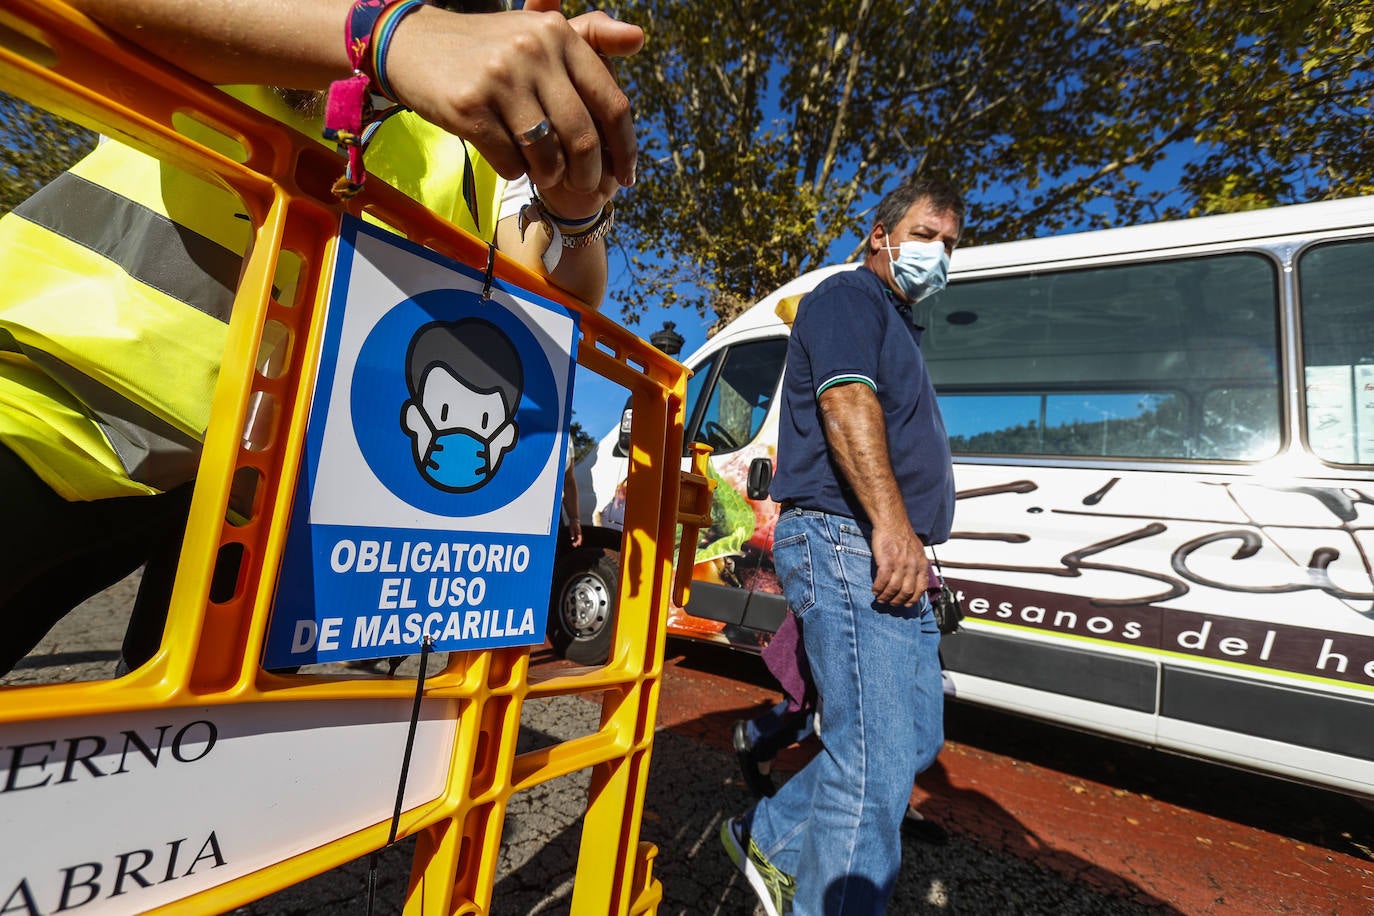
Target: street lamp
[(667, 340)]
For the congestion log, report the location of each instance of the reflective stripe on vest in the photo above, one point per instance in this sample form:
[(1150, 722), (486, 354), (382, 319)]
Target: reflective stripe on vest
[(145, 244), (125, 309)]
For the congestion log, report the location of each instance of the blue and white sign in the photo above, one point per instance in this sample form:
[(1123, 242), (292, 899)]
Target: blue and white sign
[(433, 469)]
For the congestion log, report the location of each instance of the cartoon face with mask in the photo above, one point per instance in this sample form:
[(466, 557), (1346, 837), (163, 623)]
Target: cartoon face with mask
[(465, 381)]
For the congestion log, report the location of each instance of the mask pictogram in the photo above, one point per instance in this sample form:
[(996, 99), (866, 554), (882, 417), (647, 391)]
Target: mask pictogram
[(465, 380)]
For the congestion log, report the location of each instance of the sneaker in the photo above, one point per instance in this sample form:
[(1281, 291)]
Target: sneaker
[(772, 886), (757, 781)]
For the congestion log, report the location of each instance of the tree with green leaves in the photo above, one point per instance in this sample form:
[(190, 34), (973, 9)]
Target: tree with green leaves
[(581, 442), (769, 130), (35, 147)]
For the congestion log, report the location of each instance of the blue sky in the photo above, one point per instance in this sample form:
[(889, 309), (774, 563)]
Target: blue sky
[(597, 403)]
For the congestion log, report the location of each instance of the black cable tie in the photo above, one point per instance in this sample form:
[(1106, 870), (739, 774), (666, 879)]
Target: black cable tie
[(425, 648), (491, 271)]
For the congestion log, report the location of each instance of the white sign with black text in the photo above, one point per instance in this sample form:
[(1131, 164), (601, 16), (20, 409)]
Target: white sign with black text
[(123, 812)]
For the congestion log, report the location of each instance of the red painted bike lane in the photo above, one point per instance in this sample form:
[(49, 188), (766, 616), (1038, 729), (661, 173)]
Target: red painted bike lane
[(1135, 823), (1195, 862)]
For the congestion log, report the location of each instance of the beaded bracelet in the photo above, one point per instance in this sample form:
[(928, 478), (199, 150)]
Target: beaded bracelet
[(565, 233)]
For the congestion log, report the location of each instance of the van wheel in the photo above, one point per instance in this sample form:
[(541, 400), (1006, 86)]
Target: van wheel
[(586, 587)]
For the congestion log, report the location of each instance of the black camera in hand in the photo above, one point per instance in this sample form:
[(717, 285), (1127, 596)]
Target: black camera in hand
[(948, 610)]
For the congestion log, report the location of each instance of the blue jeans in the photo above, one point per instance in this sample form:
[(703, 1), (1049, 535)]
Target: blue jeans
[(836, 825)]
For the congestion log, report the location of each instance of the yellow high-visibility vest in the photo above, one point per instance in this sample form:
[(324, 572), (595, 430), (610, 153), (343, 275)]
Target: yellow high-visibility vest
[(119, 277)]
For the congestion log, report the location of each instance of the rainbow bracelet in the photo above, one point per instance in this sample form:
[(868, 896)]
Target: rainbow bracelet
[(383, 30)]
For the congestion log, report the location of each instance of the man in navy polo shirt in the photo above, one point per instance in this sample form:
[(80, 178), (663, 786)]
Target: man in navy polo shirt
[(865, 482)]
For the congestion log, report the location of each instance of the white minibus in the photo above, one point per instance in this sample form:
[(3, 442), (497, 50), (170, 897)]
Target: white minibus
[(1164, 452)]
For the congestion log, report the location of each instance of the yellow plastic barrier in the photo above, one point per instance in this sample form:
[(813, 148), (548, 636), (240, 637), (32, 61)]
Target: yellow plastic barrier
[(203, 730)]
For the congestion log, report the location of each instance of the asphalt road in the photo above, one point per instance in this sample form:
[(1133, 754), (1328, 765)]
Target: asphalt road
[(1007, 852)]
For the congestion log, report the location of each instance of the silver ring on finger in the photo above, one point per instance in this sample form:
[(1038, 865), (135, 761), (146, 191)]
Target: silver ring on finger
[(534, 134)]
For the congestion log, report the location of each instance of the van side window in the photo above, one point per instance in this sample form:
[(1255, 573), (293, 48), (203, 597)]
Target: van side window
[(1167, 359), (1336, 288), (744, 388)]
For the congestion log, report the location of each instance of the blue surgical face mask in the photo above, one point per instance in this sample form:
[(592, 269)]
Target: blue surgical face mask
[(459, 459), (920, 269)]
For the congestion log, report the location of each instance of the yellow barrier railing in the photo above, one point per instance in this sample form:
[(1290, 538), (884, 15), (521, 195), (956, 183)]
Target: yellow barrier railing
[(257, 780)]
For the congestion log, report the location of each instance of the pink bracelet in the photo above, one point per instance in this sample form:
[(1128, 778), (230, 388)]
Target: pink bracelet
[(349, 117)]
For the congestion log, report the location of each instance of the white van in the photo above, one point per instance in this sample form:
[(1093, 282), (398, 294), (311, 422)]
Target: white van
[(1164, 452)]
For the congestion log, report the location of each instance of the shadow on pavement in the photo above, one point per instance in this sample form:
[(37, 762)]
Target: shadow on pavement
[(1320, 817), (1317, 816), (692, 787), (53, 659)]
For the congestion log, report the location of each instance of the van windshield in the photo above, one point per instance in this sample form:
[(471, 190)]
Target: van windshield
[(738, 394)]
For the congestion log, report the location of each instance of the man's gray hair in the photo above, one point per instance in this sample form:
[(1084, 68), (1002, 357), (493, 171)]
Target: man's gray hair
[(940, 194)]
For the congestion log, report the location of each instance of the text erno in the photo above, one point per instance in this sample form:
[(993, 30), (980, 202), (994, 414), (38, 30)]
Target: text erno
[(41, 763)]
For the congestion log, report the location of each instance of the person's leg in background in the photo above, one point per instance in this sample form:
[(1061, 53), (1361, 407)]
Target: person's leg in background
[(55, 554), (149, 617), (758, 740)]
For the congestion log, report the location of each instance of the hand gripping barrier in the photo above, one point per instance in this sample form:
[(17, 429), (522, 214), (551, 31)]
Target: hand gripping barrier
[(110, 796)]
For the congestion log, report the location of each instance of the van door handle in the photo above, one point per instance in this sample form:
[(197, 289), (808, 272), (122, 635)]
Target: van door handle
[(760, 477)]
